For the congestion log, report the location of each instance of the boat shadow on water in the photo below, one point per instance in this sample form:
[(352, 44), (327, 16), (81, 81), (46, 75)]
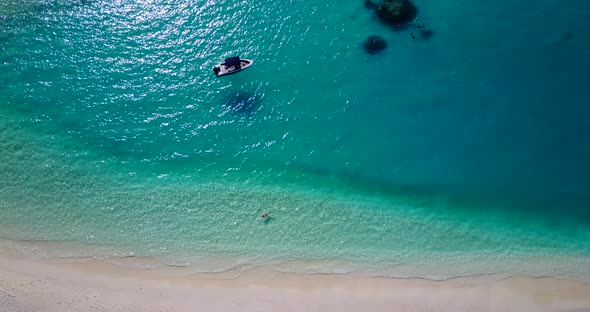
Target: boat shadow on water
[(242, 102)]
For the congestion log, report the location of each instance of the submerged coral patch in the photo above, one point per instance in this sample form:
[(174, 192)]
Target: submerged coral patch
[(374, 44), (397, 13)]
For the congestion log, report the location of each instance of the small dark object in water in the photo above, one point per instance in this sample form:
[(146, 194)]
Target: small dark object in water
[(266, 217), (566, 36), (420, 25), (374, 44), (397, 13), (371, 5), (426, 33)]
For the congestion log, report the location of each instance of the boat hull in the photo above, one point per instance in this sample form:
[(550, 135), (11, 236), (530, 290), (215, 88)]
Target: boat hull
[(222, 70)]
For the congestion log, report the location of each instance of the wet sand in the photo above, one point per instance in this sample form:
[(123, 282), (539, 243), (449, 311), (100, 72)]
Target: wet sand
[(58, 285)]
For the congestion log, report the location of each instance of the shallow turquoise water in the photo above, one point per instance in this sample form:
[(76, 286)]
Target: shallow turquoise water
[(468, 147)]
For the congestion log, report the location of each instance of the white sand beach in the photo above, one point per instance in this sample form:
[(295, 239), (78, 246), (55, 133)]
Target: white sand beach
[(59, 285)]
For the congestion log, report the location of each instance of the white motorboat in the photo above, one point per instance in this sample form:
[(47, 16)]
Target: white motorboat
[(231, 65)]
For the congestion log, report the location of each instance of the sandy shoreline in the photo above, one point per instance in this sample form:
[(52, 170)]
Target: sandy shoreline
[(95, 285)]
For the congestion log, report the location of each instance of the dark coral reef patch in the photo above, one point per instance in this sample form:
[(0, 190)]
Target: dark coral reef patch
[(396, 13), (374, 44)]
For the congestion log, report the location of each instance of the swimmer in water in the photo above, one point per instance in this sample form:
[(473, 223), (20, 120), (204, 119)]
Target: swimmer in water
[(265, 215)]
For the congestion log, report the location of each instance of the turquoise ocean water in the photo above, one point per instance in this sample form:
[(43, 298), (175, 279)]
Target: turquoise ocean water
[(461, 154)]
